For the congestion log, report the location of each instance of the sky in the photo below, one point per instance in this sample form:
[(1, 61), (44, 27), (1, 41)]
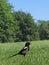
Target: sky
[(39, 9)]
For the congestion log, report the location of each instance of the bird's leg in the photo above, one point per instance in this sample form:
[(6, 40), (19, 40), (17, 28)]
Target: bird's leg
[(24, 54)]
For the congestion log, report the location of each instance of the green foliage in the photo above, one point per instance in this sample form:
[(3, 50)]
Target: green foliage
[(37, 55), (6, 22), (44, 29), (27, 29), (20, 26)]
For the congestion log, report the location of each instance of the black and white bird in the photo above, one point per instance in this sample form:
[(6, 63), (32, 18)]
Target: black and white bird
[(24, 50)]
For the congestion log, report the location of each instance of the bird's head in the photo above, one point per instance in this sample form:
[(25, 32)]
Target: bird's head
[(27, 44)]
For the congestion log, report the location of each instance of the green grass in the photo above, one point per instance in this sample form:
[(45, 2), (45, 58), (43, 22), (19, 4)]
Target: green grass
[(38, 54)]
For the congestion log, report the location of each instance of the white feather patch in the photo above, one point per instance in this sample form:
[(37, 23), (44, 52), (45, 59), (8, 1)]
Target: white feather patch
[(25, 47)]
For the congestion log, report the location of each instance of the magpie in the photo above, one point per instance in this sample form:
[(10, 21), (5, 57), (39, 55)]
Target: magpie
[(24, 50)]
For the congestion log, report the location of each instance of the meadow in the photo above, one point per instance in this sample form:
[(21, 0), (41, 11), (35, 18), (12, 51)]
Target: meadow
[(37, 55)]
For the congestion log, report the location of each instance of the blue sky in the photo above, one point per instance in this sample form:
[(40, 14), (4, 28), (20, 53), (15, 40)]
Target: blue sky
[(39, 9)]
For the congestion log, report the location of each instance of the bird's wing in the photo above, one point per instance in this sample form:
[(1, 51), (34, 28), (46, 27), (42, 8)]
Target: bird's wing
[(25, 48)]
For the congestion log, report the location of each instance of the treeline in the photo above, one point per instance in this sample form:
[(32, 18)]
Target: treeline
[(20, 26)]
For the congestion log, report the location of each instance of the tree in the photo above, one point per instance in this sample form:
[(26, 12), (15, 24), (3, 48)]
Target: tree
[(27, 29), (43, 29), (6, 22)]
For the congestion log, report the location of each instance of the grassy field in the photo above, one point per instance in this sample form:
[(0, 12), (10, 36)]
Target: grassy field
[(38, 54)]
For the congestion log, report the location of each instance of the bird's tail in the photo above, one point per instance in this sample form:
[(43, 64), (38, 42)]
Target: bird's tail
[(13, 55)]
